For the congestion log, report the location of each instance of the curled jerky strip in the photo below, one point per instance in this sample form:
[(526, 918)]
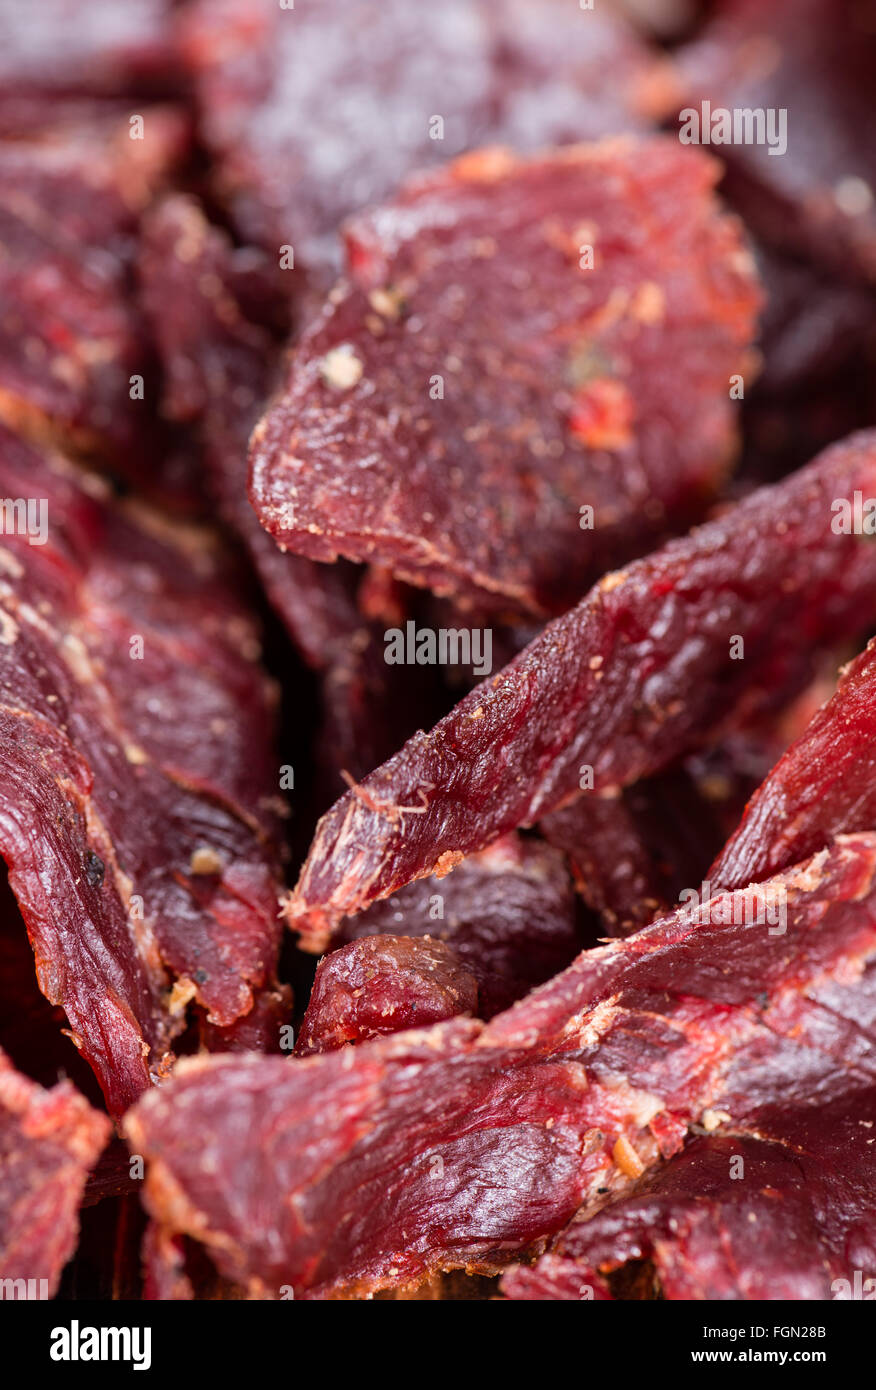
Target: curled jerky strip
[(645, 667)]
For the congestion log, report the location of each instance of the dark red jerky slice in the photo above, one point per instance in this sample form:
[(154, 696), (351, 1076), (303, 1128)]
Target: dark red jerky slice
[(64, 48), (291, 165), (813, 60), (787, 1213), (48, 1142), (70, 339), (137, 819), (218, 368), (480, 485), (384, 984), (455, 1145), (632, 852), (823, 785), (508, 913), (637, 674)]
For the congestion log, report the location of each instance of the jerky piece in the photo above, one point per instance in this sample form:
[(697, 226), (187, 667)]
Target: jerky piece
[(291, 164), (645, 667), (219, 367), (455, 1145), (48, 1142), (436, 419), (384, 984), (137, 774), (808, 187), (508, 913), (787, 1213), (261, 1030), (633, 851), (62, 48), (73, 366), (824, 784)]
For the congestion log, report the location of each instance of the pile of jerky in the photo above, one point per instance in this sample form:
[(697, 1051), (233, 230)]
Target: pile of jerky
[(438, 511)]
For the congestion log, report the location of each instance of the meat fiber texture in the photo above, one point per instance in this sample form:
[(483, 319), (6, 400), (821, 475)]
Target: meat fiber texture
[(75, 367), (49, 1140), (644, 668), (137, 781), (384, 984), (440, 420), (456, 1145), (784, 1213), (508, 913), (811, 191), (410, 86)]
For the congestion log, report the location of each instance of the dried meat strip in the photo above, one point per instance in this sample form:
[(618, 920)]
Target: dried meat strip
[(435, 81), (797, 77), (508, 913), (455, 1145), (439, 420), (824, 784), (138, 774), (49, 1140), (639, 672), (384, 984), (786, 1213)]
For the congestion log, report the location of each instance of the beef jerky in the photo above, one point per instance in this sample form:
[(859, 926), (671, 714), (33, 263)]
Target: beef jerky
[(383, 984), (809, 189), (48, 1142), (786, 1213), (218, 368), (508, 913), (642, 670), (260, 1030), (455, 1145), (824, 784), (66, 48), (74, 366), (633, 851), (551, 447), (291, 165), (137, 770)]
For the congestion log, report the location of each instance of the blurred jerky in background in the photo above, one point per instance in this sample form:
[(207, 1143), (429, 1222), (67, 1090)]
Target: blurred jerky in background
[(138, 771), (313, 112)]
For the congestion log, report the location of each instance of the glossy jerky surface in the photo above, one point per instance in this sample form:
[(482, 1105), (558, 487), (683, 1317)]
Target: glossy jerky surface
[(786, 1213), (508, 913), (490, 419), (639, 672), (824, 784), (384, 984), (454, 1145), (137, 815), (48, 1142)]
